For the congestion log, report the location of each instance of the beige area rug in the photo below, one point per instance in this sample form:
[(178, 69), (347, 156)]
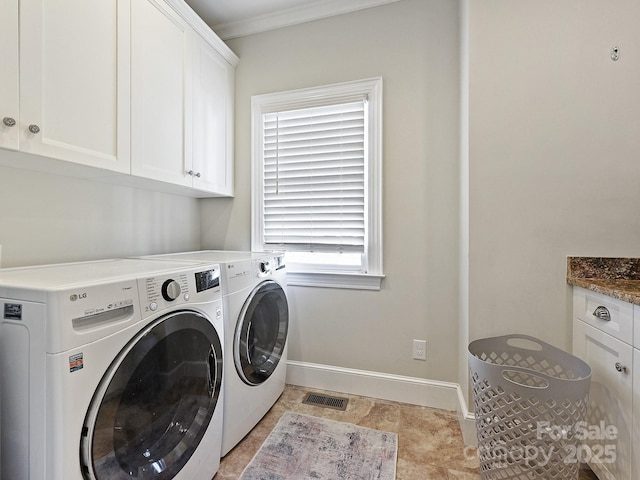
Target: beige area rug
[(305, 447)]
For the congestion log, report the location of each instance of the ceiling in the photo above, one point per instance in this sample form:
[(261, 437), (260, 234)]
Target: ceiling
[(218, 12), (235, 18)]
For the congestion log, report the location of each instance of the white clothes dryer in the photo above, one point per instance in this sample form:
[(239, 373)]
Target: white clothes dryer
[(111, 370), (256, 313)]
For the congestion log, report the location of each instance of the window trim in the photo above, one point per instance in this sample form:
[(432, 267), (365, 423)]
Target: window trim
[(316, 96)]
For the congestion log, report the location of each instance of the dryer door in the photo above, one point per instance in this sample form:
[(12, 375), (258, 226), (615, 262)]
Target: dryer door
[(155, 402), (261, 333)]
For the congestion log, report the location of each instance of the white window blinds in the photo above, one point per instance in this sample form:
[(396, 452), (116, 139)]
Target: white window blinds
[(314, 178)]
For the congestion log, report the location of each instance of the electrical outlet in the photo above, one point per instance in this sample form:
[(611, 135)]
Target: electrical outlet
[(420, 349)]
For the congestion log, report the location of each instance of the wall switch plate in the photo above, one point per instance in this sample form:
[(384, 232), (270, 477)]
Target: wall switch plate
[(420, 349)]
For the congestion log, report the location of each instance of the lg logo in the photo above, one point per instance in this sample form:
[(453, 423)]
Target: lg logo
[(78, 296)]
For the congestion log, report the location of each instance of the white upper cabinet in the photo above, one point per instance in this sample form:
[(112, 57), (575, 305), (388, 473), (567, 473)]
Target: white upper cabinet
[(182, 101), (160, 93), (9, 103), (213, 84), (74, 81), (143, 88)]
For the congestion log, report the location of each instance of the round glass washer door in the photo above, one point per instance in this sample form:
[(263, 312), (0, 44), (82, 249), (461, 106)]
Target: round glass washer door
[(155, 402), (261, 333)]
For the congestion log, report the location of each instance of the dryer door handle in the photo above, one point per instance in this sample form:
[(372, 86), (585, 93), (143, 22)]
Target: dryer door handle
[(211, 374)]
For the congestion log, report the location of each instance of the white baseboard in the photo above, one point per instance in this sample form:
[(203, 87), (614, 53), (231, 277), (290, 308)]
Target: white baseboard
[(397, 388), (467, 421), (386, 386)]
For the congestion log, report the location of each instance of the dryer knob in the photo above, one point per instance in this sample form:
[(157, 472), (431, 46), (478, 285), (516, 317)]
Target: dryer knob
[(170, 290), (264, 267)]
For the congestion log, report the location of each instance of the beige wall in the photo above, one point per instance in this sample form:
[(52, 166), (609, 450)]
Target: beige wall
[(413, 45), (554, 155), (551, 164), (48, 219)]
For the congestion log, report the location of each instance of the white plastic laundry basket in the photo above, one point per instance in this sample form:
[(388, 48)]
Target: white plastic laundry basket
[(530, 401)]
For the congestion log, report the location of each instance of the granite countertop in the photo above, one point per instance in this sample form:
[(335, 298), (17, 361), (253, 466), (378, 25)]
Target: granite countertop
[(615, 277)]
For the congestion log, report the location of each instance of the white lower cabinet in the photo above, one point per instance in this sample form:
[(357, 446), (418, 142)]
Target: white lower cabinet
[(609, 437), (635, 464), (610, 400)]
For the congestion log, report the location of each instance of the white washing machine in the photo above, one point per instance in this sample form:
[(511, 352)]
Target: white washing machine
[(111, 370), (256, 316)]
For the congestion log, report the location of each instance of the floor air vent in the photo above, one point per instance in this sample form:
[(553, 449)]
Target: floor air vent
[(319, 400)]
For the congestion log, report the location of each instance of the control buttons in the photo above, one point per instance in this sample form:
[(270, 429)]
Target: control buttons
[(170, 290), (186, 297), (153, 306)]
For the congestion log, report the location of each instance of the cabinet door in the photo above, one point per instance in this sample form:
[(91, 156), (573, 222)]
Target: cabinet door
[(212, 120), (9, 78), (161, 55), (610, 400), (635, 468), (74, 81)]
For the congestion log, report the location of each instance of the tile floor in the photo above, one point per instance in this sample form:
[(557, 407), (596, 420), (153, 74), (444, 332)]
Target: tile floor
[(430, 443)]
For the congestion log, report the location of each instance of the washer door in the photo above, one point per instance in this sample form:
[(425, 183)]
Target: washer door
[(155, 402), (261, 333)]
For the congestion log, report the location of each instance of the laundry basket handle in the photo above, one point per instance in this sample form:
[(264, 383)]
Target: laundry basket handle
[(491, 360), (526, 378), (525, 342)]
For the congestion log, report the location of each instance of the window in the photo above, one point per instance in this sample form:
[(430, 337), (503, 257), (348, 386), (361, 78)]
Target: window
[(317, 182)]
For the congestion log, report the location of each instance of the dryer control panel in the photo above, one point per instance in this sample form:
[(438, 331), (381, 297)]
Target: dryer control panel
[(199, 284), (269, 265)]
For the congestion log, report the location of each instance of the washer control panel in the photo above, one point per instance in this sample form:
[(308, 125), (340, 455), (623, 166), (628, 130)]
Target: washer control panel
[(171, 290), (198, 284)]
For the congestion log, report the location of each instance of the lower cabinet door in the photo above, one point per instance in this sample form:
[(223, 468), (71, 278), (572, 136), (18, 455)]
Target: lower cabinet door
[(607, 442), (635, 467)]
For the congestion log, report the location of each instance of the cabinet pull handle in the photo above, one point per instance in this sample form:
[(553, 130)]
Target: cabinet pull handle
[(602, 313), (621, 368), (35, 129), (9, 122), (193, 174)]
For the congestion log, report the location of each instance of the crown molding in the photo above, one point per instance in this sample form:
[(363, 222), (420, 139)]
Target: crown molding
[(206, 32), (293, 16)]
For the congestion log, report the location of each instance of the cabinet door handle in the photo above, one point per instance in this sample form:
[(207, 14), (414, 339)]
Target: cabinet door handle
[(35, 129), (602, 313), (621, 368), (193, 174), (9, 122)]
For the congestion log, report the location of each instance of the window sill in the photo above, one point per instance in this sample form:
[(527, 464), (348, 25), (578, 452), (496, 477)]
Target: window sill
[(356, 281)]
